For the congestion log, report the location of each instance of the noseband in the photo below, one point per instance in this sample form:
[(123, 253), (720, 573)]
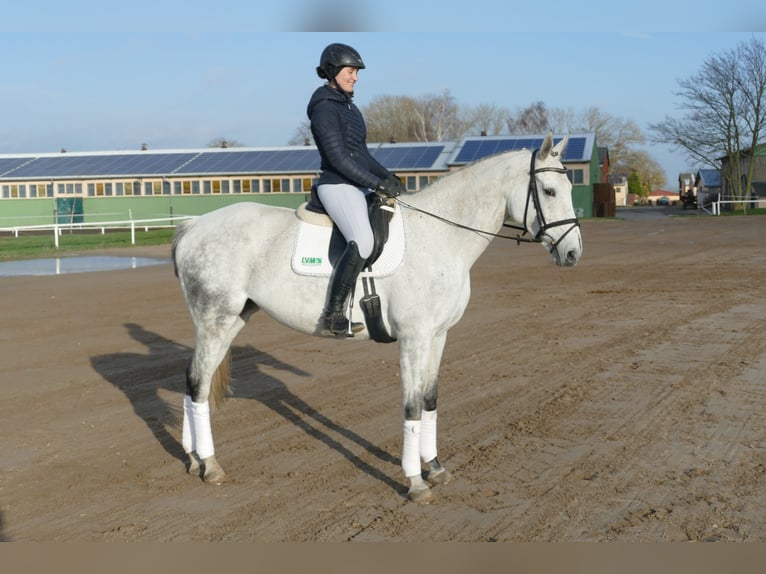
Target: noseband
[(533, 197)]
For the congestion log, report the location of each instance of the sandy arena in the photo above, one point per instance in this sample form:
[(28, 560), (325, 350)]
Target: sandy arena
[(621, 400)]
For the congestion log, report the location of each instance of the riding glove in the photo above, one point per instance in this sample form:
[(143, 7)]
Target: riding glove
[(390, 186)]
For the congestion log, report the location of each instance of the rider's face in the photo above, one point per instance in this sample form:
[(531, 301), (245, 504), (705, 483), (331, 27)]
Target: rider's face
[(346, 78)]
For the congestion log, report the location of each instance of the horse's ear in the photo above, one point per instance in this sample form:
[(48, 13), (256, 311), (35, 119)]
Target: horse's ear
[(547, 146), (558, 150)]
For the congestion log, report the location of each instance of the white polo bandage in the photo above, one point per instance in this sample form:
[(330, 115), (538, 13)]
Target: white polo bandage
[(411, 448), (187, 432), (203, 434), (428, 436)]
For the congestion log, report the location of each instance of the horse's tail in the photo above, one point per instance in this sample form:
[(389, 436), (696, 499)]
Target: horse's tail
[(219, 387), (181, 230)]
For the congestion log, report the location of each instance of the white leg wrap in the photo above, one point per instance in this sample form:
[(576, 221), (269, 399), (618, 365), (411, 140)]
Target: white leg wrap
[(203, 434), (411, 448), (187, 432), (428, 436)]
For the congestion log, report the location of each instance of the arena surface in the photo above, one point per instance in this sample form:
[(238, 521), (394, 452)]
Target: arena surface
[(621, 400)]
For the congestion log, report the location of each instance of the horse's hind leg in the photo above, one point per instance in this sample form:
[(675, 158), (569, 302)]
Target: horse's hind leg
[(207, 370)]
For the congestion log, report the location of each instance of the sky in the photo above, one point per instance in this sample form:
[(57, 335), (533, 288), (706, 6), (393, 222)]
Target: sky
[(88, 76)]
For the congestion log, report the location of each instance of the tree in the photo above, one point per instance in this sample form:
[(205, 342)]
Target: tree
[(488, 119), (404, 118), (302, 134), (724, 108), (224, 143), (620, 135), (531, 120), (634, 185)]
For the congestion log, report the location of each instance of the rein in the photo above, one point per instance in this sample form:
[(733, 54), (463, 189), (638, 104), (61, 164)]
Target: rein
[(533, 195)]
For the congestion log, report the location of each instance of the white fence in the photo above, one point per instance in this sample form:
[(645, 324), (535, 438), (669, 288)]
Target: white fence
[(715, 207), (58, 228)]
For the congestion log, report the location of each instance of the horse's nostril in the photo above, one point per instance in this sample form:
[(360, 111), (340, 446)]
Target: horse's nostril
[(572, 255)]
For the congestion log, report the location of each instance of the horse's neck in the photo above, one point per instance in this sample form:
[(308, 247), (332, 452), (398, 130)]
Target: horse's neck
[(474, 197)]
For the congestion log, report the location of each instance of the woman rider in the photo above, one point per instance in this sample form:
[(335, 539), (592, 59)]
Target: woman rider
[(349, 174)]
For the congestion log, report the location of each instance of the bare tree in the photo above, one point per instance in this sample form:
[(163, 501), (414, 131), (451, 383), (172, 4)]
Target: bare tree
[(424, 119), (531, 120), (488, 119), (224, 143), (302, 135), (724, 113)]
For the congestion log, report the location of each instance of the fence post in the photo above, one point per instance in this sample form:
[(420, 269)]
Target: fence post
[(56, 227)]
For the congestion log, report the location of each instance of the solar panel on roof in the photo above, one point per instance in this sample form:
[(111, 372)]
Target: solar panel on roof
[(408, 157), (476, 149), (253, 161), (10, 163), (102, 165)]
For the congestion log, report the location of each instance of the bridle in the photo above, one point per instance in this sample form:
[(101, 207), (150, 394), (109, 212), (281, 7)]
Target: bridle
[(533, 197)]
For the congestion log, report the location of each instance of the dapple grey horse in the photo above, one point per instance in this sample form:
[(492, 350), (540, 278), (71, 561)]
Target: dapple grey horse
[(235, 261)]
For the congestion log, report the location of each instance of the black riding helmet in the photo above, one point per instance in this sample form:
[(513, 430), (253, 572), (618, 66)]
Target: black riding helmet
[(337, 56)]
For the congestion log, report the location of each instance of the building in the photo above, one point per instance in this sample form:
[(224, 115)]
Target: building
[(757, 189), (146, 184)]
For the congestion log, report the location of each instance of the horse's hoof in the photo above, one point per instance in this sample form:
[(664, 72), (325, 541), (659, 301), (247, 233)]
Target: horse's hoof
[(212, 473), (440, 477), (421, 495), (193, 465)]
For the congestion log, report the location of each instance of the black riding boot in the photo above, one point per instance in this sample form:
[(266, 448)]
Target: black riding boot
[(347, 269)]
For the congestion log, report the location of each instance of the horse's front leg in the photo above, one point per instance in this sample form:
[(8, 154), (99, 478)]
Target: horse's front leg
[(420, 367)]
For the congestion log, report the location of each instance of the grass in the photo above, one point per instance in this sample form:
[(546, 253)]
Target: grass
[(35, 246)]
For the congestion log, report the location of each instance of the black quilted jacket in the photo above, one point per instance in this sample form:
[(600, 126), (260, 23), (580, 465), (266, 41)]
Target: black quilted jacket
[(340, 134)]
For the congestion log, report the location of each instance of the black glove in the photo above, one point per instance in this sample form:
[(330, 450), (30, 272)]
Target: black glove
[(390, 186)]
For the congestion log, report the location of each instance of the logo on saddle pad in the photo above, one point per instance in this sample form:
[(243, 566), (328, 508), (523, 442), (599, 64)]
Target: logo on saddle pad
[(311, 254)]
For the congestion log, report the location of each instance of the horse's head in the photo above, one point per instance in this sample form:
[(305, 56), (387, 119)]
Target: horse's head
[(546, 209)]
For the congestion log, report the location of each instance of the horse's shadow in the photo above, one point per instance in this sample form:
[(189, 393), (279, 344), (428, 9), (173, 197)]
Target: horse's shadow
[(136, 375)]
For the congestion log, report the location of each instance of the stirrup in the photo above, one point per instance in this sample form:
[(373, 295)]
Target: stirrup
[(337, 326)]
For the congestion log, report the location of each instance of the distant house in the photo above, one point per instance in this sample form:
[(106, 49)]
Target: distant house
[(758, 187), (707, 183), (620, 183)]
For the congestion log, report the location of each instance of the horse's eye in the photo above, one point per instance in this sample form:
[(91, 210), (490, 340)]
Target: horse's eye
[(549, 192)]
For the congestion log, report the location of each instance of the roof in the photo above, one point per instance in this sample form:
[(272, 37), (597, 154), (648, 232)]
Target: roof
[(579, 148), (417, 156), (709, 177)]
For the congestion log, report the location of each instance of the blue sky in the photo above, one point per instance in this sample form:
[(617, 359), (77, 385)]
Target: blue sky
[(178, 74)]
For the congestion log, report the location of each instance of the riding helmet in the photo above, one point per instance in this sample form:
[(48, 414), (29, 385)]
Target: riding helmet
[(337, 56)]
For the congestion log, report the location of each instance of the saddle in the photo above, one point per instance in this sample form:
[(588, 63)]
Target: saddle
[(380, 211)]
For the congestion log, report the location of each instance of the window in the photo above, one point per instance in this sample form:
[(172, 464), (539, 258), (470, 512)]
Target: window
[(266, 186), (576, 176), (129, 188), (411, 183), (216, 186), (246, 186), (119, 188)]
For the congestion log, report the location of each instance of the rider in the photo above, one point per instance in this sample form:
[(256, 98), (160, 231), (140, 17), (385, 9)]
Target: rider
[(349, 174)]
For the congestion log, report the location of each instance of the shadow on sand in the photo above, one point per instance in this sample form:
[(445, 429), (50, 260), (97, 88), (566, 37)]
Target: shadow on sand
[(136, 375)]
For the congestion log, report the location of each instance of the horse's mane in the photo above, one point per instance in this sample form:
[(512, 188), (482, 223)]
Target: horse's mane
[(467, 171)]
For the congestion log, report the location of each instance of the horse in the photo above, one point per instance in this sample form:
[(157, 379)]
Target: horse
[(234, 261)]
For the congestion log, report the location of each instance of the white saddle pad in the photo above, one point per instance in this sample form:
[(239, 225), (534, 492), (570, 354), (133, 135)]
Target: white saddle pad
[(310, 253)]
